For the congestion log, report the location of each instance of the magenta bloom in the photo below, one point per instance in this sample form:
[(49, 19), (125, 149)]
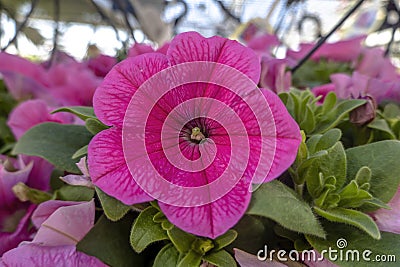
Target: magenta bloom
[(33, 112), (263, 43), (274, 75), (72, 84), (194, 133), (140, 49), (101, 64), (23, 78), (21, 119), (343, 51)]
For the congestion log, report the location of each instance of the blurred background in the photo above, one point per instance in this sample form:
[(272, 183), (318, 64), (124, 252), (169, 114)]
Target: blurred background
[(82, 28)]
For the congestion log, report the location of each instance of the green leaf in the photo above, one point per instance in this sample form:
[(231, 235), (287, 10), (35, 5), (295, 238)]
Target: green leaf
[(328, 139), (113, 208), (308, 122), (5, 133), (108, 241), (95, 126), (54, 142), (382, 125), (337, 115), (225, 239), (357, 243), (220, 258), (383, 159), (167, 257), (363, 175), (351, 217), (145, 231), (82, 112), (74, 193), (80, 152), (329, 102), (252, 233), (331, 164), (391, 111), (191, 259), (280, 203), (181, 240)]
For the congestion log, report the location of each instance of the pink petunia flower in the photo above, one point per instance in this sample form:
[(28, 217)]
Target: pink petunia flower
[(21, 119), (72, 84), (33, 112), (101, 64), (62, 224), (342, 51), (374, 64), (389, 220), (23, 78), (13, 213), (202, 143), (356, 86), (140, 49), (274, 75), (262, 44)]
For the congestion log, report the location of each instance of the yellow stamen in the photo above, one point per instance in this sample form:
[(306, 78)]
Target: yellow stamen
[(197, 134)]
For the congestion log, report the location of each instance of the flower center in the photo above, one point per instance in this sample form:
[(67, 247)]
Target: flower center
[(197, 135), (196, 130)]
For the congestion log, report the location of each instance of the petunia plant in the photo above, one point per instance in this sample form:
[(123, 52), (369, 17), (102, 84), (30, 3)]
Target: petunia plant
[(181, 158)]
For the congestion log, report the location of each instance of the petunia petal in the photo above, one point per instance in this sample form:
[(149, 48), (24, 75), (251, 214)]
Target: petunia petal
[(112, 97), (22, 233), (287, 137), (30, 113), (389, 220), (248, 260), (46, 256), (191, 47), (7, 180), (45, 209), (214, 219), (67, 225), (108, 168)]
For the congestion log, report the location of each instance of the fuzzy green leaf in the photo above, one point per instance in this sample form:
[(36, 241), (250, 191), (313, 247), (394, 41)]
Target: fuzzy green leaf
[(113, 208), (145, 231), (280, 203), (351, 217), (220, 258), (167, 257), (383, 159)]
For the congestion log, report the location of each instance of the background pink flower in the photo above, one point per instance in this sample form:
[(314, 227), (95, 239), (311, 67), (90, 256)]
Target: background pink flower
[(101, 64), (14, 215), (62, 224), (389, 220), (343, 51), (108, 167)]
